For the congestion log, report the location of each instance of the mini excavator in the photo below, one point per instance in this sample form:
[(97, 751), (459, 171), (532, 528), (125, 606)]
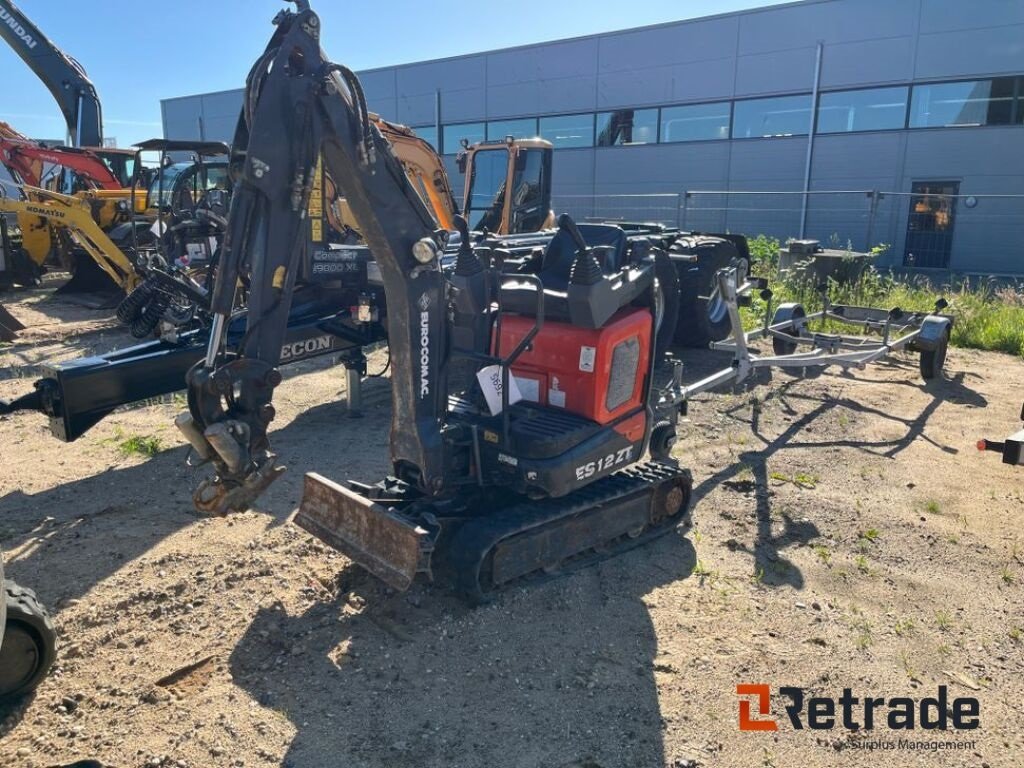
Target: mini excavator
[(487, 488)]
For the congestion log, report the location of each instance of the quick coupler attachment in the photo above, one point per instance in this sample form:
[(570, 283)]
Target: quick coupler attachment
[(242, 478)]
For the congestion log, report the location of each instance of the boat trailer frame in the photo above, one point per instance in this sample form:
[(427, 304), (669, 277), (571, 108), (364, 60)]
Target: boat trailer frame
[(789, 328)]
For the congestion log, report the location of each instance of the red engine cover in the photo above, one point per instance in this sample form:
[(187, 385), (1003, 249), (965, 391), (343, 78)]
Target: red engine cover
[(598, 374)]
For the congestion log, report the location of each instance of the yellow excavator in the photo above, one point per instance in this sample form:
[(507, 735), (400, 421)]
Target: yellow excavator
[(71, 217)]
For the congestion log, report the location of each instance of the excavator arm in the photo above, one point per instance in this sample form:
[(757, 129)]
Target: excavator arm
[(297, 106), (74, 216), (63, 76), (27, 158)]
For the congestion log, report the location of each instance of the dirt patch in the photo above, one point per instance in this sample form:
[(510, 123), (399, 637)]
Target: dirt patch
[(847, 534)]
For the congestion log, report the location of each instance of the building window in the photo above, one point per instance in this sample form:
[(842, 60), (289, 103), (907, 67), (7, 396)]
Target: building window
[(452, 136), (695, 122), (524, 128), (566, 131), (976, 102), (627, 126), (781, 116), (874, 109), (428, 133)]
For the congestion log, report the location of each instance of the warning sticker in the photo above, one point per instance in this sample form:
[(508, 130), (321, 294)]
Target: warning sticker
[(587, 357)]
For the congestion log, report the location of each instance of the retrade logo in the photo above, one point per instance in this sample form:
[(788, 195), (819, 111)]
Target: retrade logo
[(856, 713), (762, 698)]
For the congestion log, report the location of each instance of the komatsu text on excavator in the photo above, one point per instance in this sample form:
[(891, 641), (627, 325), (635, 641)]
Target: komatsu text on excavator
[(522, 387)]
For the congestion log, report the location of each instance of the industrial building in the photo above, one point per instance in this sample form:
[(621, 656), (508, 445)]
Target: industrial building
[(852, 121)]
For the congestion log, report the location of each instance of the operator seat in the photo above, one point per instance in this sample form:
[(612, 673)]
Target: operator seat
[(588, 306), (608, 240)]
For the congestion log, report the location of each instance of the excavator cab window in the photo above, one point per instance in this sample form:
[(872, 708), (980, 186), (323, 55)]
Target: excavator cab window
[(486, 200), (531, 196)]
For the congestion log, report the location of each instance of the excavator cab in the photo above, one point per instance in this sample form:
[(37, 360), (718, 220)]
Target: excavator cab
[(508, 185)]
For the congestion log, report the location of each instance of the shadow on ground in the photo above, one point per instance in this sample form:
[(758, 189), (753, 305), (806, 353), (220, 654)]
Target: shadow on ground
[(562, 670)]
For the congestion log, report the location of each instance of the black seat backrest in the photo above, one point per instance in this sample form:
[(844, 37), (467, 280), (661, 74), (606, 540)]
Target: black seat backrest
[(561, 252)]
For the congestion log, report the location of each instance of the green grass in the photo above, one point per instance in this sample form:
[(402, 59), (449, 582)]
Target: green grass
[(823, 553), (988, 315), (142, 445)]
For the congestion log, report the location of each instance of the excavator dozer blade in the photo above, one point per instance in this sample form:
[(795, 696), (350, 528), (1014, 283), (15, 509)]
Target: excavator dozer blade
[(9, 325), (90, 286), (376, 537)]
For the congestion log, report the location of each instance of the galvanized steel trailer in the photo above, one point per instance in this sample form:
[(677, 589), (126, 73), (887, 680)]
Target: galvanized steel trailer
[(882, 332)]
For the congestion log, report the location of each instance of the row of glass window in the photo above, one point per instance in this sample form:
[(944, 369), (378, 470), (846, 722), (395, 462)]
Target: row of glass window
[(995, 101)]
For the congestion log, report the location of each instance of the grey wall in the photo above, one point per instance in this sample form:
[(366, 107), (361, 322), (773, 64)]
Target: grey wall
[(761, 52)]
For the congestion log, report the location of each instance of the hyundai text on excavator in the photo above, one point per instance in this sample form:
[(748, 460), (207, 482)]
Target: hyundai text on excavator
[(483, 494)]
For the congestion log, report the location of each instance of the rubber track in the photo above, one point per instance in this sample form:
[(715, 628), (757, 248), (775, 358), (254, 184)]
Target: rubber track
[(470, 547)]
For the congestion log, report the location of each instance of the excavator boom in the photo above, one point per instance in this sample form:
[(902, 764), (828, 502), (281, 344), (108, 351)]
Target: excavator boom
[(297, 106), (28, 157)]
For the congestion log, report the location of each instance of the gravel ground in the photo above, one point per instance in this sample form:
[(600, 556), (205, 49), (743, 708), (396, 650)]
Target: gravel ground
[(847, 534)]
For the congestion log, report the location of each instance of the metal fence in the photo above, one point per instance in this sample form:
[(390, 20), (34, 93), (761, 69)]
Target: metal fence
[(844, 218), (980, 234)]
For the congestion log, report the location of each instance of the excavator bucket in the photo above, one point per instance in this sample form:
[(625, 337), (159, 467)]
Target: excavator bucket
[(9, 325), (89, 285)]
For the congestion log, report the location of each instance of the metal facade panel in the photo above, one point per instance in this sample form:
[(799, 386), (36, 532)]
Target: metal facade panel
[(460, 106), (682, 43), (572, 171), (963, 152), (379, 83), (857, 155), (868, 62), (181, 117), (455, 74), (965, 53), (549, 61), (664, 167), (775, 72), (768, 162), (567, 94), (224, 104), (700, 81), (831, 21), (414, 109), (386, 107), (949, 15), (220, 128)]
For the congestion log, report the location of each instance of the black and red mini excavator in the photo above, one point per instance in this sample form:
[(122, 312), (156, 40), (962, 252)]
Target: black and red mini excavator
[(523, 388)]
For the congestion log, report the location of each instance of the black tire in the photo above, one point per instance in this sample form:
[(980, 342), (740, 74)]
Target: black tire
[(29, 643), (783, 313), (932, 361), (663, 437), (702, 317)]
